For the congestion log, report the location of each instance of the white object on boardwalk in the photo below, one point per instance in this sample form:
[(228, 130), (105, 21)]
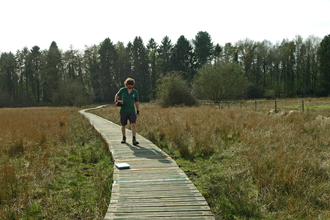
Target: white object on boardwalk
[(122, 165)]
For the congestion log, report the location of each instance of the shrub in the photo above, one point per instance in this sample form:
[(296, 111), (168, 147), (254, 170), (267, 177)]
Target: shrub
[(225, 80), (173, 90)]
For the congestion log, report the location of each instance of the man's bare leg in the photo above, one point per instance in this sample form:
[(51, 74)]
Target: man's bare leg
[(133, 127), (123, 130)]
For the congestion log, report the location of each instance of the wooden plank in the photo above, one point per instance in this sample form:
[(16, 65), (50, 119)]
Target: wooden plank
[(139, 154), (153, 188), (146, 215), (152, 163), (143, 209), (159, 203)]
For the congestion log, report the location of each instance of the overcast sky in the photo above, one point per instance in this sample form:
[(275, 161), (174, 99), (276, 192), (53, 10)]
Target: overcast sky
[(26, 23)]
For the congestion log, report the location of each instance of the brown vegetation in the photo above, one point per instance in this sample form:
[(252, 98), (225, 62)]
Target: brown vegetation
[(49, 165), (247, 164)]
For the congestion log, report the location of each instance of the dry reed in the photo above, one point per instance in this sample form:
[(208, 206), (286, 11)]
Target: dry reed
[(249, 164), (39, 159)]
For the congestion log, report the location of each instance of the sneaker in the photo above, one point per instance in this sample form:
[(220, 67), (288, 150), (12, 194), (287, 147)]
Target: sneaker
[(135, 142), (124, 140)]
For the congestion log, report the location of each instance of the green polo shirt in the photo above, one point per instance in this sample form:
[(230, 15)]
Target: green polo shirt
[(128, 99)]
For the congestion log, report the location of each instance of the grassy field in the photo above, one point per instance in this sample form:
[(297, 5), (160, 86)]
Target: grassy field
[(53, 165), (248, 164)]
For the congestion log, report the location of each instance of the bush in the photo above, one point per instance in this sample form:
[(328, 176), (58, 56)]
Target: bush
[(226, 80), (173, 90)]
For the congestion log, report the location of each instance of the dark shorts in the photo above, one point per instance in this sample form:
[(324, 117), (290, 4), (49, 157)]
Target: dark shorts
[(127, 116)]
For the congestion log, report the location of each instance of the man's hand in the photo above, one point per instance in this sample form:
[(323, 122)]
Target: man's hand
[(137, 113), (119, 103)]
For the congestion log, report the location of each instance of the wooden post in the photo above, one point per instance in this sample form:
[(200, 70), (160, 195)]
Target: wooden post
[(302, 105), (255, 105), (275, 105), (240, 103)]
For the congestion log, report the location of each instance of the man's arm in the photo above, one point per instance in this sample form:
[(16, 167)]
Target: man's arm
[(137, 105), (116, 97)]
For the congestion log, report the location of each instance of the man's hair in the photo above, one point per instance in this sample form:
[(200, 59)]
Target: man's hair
[(129, 81)]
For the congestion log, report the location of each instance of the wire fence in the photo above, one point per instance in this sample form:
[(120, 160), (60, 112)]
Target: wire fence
[(311, 106)]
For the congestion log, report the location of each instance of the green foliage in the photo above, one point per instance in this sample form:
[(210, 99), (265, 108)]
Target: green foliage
[(182, 59), (226, 80), (203, 47), (51, 77), (71, 93), (290, 68), (108, 69), (164, 55), (324, 56), (140, 68), (232, 197), (152, 50), (173, 90)]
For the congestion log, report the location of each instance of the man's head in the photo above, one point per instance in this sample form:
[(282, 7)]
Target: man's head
[(129, 83)]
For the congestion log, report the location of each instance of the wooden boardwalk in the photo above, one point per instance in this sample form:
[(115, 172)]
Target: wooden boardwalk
[(154, 187)]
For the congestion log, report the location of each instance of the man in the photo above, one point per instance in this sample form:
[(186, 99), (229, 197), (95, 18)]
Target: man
[(130, 97)]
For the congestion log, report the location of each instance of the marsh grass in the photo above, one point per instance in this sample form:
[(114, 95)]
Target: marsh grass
[(246, 163), (53, 165)]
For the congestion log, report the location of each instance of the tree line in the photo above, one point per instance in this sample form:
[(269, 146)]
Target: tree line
[(298, 67)]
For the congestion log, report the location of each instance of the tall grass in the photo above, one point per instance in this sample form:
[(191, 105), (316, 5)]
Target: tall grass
[(247, 164), (53, 165)]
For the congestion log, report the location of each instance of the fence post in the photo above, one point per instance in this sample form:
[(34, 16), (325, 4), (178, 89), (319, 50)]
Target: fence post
[(275, 105), (302, 105), (255, 105)]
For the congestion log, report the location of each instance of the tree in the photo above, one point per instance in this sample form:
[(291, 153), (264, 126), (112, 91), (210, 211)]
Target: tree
[(288, 62), (312, 46), (164, 55), (217, 53), (152, 50), (124, 66), (140, 68), (226, 80), (173, 90), (92, 68), (8, 79), (246, 50), (229, 53), (23, 71), (264, 64), (52, 75), (183, 59), (35, 58), (72, 64), (324, 59), (203, 47), (108, 71)]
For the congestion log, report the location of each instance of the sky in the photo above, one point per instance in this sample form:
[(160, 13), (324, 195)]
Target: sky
[(80, 23)]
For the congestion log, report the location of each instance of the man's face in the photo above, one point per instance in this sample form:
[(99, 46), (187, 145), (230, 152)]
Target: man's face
[(130, 85)]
